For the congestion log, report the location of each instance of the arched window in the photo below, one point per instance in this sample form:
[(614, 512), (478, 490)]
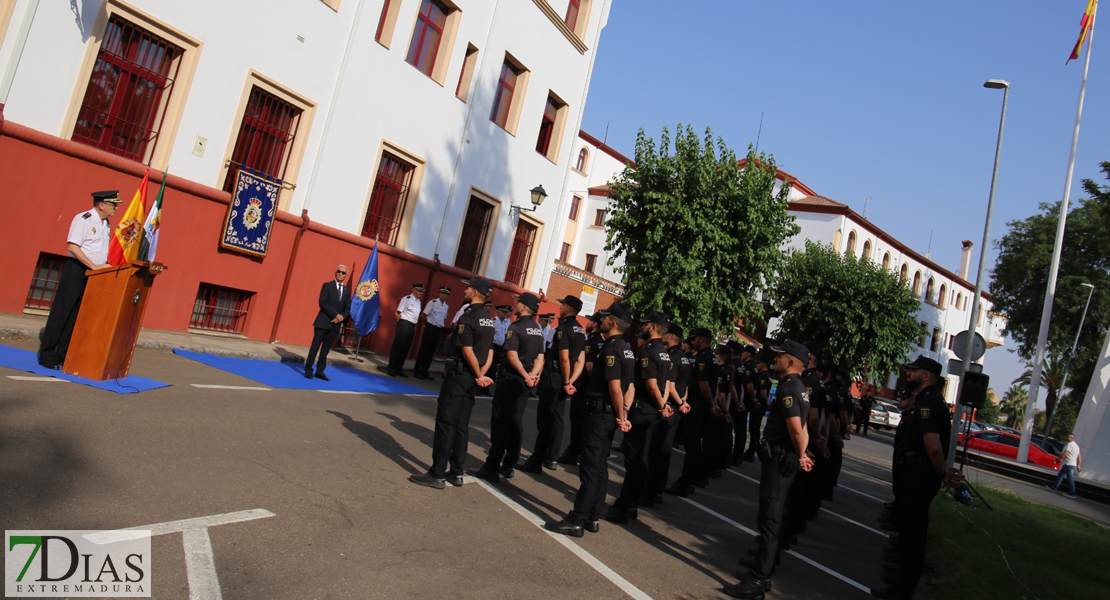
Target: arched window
[(959, 301), (583, 160), (929, 289), (886, 260), (917, 283), (903, 273), (851, 244), (941, 295), (867, 250)]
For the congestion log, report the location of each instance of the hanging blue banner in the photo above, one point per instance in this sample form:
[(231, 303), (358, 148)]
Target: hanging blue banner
[(367, 304), (250, 217)]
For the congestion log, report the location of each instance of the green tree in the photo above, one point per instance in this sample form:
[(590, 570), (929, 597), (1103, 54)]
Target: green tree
[(1013, 405), (1052, 375), (1020, 276), (861, 312), (990, 413), (698, 234)]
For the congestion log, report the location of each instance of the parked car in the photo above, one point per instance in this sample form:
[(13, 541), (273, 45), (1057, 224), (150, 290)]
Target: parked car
[(1001, 443), (880, 416), (893, 414)]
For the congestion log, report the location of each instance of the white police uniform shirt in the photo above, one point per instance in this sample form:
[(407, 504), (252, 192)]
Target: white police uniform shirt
[(92, 234), (409, 309), (436, 311), (500, 326), (458, 315), (548, 336)]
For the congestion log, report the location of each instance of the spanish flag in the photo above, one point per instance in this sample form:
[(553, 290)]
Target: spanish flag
[(128, 234), (1085, 25)]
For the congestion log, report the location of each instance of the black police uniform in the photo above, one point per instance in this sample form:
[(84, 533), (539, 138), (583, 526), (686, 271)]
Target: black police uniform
[(718, 431), (778, 467), (917, 480), (662, 439), (569, 336), (839, 406), (741, 377), (653, 363), (805, 494), (456, 397), (693, 441), (615, 362), (578, 403), (511, 398)]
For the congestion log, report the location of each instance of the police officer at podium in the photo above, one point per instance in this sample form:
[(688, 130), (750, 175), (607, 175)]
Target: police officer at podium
[(89, 234)]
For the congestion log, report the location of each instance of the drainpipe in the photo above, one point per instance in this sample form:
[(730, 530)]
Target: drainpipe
[(17, 53), (305, 221)]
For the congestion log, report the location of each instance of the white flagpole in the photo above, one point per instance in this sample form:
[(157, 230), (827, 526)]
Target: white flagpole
[(1050, 290)]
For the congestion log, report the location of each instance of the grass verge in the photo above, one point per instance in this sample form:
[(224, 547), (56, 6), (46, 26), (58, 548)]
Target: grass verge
[(1021, 550)]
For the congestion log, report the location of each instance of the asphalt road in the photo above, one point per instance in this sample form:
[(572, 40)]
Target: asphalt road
[(333, 469)]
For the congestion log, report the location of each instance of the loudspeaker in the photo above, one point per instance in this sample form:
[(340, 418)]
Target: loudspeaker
[(975, 390)]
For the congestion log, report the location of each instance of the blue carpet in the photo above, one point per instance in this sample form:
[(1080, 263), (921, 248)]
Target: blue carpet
[(25, 360), (290, 375)]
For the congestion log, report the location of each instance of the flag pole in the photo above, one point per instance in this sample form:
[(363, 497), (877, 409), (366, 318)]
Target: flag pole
[(358, 342), (1050, 290)]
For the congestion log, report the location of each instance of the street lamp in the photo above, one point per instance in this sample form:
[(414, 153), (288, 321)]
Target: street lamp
[(994, 84), (538, 196), (1067, 365)]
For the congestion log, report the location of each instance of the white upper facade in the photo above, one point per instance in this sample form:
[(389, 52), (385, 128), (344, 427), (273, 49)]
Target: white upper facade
[(462, 98)]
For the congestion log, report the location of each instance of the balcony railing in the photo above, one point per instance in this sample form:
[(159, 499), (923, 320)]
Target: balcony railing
[(588, 278)]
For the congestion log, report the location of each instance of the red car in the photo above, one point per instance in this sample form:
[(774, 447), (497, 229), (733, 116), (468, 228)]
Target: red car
[(1006, 444)]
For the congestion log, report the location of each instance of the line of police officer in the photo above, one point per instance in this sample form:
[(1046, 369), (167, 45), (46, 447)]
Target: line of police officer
[(720, 392)]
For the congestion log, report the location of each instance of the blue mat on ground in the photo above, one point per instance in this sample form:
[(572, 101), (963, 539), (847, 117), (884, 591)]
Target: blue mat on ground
[(290, 375), (25, 360)]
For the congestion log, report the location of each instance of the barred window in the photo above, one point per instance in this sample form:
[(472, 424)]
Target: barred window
[(219, 308), (388, 199), (266, 136), (44, 283)]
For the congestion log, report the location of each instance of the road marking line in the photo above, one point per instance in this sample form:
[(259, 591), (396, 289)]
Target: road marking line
[(586, 557), (200, 565), (857, 523), (342, 392), (36, 378), (230, 387), (200, 562), (840, 485)]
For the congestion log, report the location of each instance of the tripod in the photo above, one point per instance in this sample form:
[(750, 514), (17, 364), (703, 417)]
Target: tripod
[(963, 460)]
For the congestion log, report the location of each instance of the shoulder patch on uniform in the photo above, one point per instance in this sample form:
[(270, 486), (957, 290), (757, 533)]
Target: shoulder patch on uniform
[(610, 361), (508, 334), (788, 402), (644, 361), (701, 366), (86, 215), (559, 334), (461, 327), (925, 413)]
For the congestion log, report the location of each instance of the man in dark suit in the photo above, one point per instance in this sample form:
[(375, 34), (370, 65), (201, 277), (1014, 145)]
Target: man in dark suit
[(335, 307)]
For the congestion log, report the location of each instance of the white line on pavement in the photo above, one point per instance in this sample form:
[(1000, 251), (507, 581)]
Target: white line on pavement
[(840, 516), (343, 392), (230, 387), (586, 557), (200, 522), (36, 378)]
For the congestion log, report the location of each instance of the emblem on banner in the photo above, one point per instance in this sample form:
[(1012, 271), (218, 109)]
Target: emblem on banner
[(367, 289), (252, 214)]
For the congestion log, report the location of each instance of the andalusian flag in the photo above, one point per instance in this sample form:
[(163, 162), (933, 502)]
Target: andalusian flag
[(153, 223), (1085, 25), (128, 234)]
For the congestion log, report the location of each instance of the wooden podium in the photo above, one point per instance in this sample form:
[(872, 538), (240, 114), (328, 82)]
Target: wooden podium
[(109, 320)]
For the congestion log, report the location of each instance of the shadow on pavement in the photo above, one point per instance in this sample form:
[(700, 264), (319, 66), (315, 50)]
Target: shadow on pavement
[(383, 443)]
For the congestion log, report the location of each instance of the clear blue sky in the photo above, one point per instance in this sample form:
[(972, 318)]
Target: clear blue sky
[(871, 98)]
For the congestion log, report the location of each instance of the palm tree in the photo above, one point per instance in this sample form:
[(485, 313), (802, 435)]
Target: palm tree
[(1052, 375), (1013, 405)]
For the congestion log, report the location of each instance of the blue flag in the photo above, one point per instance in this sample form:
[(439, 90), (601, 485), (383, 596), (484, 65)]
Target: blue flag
[(366, 305)]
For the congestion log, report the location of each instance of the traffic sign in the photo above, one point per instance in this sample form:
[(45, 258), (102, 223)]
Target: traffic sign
[(968, 342)]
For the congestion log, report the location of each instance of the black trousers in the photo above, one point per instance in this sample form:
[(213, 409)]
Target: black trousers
[(402, 341), (919, 487), (63, 314), (322, 341), (579, 412), (635, 448), (755, 420), (831, 476), (693, 439), (593, 470), (773, 487), (549, 417), (506, 426), (429, 344), (863, 422), (717, 444), (452, 434), (660, 448), (739, 430)]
